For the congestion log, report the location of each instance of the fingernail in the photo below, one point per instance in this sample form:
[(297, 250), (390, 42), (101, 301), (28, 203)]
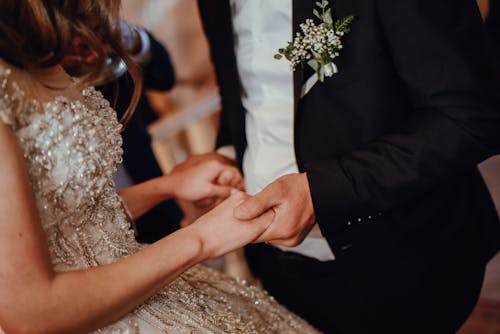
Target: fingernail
[(239, 211)]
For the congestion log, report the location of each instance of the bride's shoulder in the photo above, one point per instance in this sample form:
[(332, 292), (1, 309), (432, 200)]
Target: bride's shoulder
[(5, 109), (3, 63), (5, 68), (9, 99), (5, 71), (9, 74)]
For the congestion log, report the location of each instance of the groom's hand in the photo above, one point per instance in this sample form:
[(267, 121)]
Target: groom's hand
[(290, 199)]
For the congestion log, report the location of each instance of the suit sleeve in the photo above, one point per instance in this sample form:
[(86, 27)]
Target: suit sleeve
[(438, 50), (493, 27)]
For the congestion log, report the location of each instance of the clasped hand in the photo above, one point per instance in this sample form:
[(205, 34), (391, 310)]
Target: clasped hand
[(290, 200), (287, 200), (205, 179)]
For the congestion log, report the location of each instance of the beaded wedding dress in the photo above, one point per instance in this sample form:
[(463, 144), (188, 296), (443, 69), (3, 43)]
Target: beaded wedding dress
[(72, 148)]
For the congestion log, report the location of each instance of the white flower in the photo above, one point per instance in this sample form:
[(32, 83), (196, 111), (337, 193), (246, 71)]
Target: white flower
[(318, 44)]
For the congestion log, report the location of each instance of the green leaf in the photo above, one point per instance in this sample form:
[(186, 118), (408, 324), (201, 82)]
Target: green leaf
[(278, 56), (319, 5), (325, 3), (327, 17), (342, 25), (317, 14)]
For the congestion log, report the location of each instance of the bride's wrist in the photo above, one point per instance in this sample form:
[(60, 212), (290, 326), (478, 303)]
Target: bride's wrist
[(195, 242), (163, 187), (204, 239)]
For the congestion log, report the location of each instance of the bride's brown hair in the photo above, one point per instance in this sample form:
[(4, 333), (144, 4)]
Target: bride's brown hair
[(41, 33)]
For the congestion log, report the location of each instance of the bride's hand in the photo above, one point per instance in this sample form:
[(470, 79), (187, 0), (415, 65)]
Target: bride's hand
[(205, 180), (220, 233)]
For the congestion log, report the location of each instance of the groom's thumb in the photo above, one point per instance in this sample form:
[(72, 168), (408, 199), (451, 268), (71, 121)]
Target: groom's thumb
[(252, 207)]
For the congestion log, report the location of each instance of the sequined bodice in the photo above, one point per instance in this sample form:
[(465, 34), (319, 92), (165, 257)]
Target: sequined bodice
[(71, 149)]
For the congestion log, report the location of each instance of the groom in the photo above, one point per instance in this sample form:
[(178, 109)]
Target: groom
[(382, 221)]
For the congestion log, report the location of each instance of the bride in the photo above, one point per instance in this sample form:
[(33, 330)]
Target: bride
[(68, 259)]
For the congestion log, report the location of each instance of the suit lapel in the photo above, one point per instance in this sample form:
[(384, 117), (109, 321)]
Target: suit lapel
[(218, 24), (302, 10), (217, 20), (216, 15)]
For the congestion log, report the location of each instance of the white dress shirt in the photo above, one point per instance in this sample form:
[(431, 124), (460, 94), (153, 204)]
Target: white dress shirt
[(261, 27)]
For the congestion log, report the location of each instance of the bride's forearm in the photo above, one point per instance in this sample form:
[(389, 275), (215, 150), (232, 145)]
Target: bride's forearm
[(142, 197), (102, 295)]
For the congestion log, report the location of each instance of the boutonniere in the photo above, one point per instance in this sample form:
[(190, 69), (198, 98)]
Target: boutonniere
[(318, 44)]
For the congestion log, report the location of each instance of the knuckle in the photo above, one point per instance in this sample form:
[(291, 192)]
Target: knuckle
[(211, 188), (293, 242), (213, 163), (286, 243), (232, 172), (279, 188), (223, 177), (290, 236)]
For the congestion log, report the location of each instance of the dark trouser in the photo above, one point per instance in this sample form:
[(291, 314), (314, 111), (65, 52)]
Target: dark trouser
[(375, 293)]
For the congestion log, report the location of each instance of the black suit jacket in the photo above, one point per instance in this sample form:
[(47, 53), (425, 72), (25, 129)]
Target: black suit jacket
[(390, 144), (493, 26)]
